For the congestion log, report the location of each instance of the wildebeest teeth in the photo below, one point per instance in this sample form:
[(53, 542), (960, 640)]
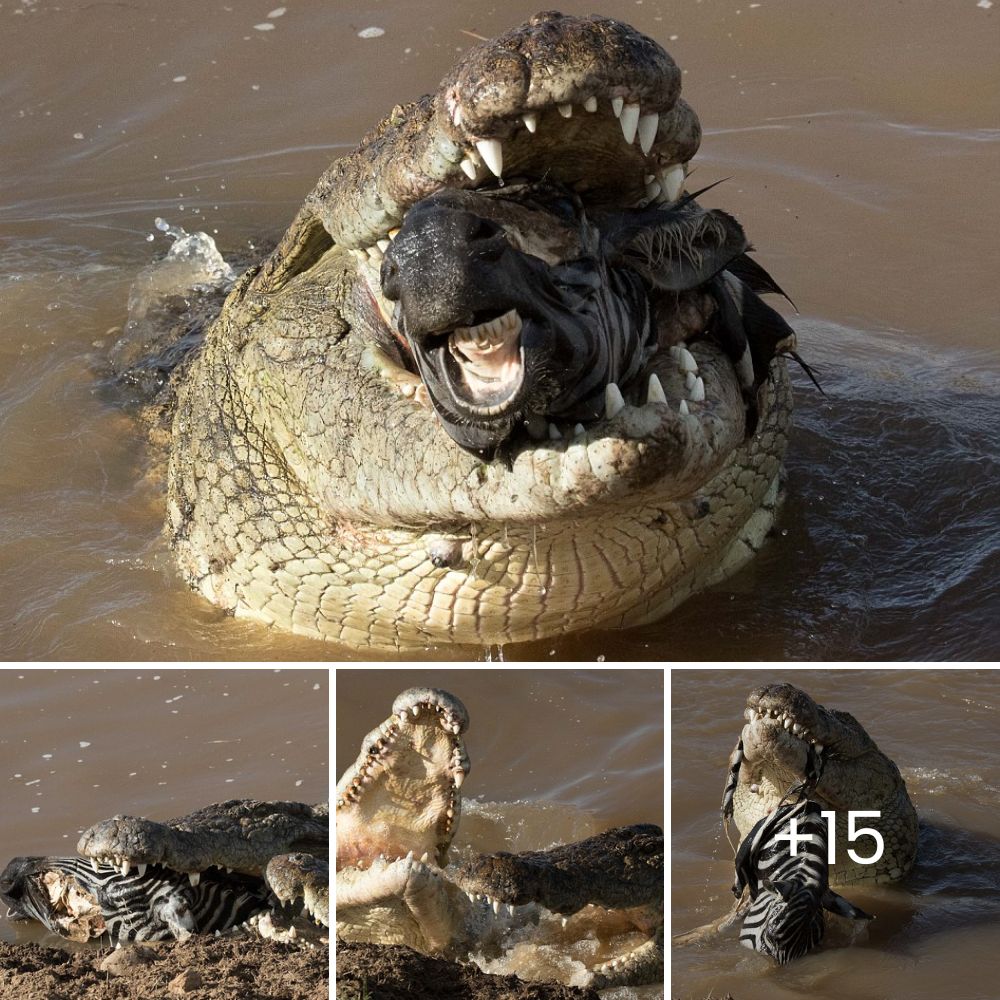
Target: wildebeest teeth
[(492, 153)]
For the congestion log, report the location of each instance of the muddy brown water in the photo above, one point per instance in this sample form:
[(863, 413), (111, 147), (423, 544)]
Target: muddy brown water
[(79, 746), (935, 934), (861, 145), (557, 755)]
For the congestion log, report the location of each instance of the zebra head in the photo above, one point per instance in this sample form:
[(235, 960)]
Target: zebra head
[(791, 920), (519, 307), (82, 900)]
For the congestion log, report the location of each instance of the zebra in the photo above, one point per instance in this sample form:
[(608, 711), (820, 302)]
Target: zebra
[(150, 903), (788, 893)]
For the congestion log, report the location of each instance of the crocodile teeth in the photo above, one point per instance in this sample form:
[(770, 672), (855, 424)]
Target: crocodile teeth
[(648, 125), (554, 434), (613, 401), (683, 408), (468, 168), (796, 728), (424, 858), (492, 153), (672, 180), (686, 361), (654, 390), (819, 747), (652, 190), (142, 870), (617, 103), (456, 115), (530, 120), (472, 897), (787, 723), (590, 104), (578, 430), (194, 878), (566, 110), (93, 864), (698, 391), (496, 907), (403, 717), (124, 868), (459, 778), (629, 122), (565, 921), (383, 245), (415, 710)]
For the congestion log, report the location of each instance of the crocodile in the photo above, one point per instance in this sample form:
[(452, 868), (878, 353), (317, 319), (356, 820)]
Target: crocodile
[(398, 808), (783, 726), (502, 378), (232, 863)]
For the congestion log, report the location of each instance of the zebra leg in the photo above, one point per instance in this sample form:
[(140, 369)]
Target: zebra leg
[(843, 907)]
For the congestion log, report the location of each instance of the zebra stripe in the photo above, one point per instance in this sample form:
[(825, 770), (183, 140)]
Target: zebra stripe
[(788, 893), (156, 905)]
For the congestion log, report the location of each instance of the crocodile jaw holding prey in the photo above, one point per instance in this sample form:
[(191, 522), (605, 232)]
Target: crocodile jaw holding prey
[(211, 870), (501, 379), (398, 808), (782, 723)]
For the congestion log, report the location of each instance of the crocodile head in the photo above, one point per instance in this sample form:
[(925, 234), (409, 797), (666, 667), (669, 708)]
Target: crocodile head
[(501, 311), (783, 725)]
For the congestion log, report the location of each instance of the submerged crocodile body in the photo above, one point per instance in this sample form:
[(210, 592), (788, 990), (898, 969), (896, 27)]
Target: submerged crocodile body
[(501, 379), (235, 862), (398, 808)]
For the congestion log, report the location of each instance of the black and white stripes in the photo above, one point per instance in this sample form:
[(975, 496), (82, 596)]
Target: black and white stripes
[(153, 905), (787, 893)]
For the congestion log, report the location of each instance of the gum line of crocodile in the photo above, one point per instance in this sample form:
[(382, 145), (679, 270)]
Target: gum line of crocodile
[(398, 808)]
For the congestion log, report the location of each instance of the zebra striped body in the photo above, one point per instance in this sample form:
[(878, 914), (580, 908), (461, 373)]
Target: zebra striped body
[(788, 893), (158, 904)]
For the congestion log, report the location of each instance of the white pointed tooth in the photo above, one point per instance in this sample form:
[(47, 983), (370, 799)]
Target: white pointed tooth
[(629, 122), (124, 868), (698, 391), (459, 778), (194, 878), (613, 401), (468, 168), (652, 190), (403, 717), (415, 710), (142, 870), (530, 119), (787, 724), (93, 864), (409, 855), (672, 180), (578, 430), (654, 390), (375, 254), (617, 103), (648, 124), (796, 728), (383, 244), (393, 233), (496, 907), (492, 153), (687, 361), (689, 380), (456, 115), (424, 858), (565, 921), (218, 933), (554, 434), (683, 408), (566, 110), (590, 104)]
